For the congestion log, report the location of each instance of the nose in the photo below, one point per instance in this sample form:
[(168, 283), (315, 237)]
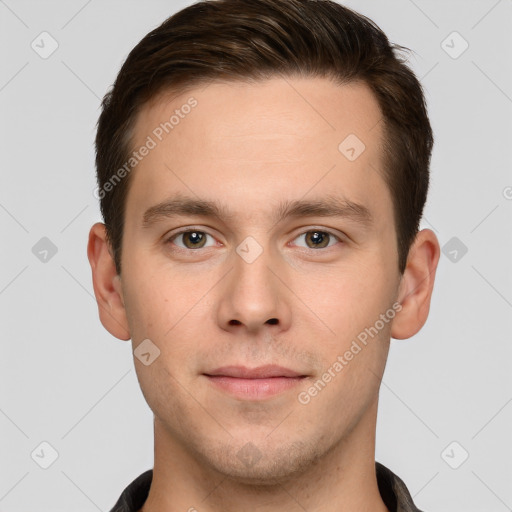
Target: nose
[(254, 297)]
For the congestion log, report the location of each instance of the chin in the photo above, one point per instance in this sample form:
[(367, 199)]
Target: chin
[(260, 464)]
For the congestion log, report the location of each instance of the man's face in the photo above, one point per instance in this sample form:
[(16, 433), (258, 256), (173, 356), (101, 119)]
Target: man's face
[(252, 287)]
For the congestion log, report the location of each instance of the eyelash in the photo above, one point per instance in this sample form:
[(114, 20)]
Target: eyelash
[(193, 230)]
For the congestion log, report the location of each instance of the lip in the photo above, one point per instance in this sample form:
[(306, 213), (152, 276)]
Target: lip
[(261, 372), (254, 383)]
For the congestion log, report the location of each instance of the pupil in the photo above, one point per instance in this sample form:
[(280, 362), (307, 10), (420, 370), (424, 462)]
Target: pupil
[(317, 237), (195, 237)]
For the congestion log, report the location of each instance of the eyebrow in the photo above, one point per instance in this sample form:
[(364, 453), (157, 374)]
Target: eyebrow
[(329, 206)]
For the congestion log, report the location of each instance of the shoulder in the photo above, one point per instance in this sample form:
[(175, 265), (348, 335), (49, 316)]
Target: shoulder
[(133, 497)]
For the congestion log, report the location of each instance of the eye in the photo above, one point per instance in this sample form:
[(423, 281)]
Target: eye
[(191, 239), (318, 239), (197, 239)]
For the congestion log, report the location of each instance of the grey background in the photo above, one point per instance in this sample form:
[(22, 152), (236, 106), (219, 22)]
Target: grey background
[(66, 381)]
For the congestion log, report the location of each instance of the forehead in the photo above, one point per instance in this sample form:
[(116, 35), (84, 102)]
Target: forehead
[(277, 139)]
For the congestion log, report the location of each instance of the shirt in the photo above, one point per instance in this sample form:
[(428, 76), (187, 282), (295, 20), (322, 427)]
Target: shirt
[(393, 491)]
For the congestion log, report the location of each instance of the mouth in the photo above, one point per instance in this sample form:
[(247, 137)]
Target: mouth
[(254, 383)]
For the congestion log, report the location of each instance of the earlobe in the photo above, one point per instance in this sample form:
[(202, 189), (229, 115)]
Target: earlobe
[(107, 284), (416, 285)]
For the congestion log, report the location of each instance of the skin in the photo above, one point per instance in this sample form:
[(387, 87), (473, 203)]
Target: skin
[(250, 146)]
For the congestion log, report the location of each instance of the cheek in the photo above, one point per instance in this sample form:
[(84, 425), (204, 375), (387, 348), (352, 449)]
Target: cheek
[(167, 307), (147, 307), (157, 310), (154, 292), (354, 354), (345, 300)]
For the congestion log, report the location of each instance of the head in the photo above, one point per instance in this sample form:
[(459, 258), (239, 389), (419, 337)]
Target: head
[(290, 142)]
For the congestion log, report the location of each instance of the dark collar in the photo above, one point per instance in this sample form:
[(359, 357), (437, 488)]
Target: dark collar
[(394, 493)]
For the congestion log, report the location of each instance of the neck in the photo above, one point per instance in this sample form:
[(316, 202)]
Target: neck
[(341, 480)]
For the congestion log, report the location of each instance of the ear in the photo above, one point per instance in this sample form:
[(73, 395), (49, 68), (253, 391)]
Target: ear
[(107, 284), (416, 285)]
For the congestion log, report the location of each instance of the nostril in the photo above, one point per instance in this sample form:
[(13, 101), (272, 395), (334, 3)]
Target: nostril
[(272, 321)]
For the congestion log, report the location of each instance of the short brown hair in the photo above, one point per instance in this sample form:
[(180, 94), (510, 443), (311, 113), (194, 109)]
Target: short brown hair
[(249, 40)]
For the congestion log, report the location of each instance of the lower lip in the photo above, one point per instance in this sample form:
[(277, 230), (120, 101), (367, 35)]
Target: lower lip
[(254, 389)]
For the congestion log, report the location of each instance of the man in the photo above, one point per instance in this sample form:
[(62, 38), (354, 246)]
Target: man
[(262, 169)]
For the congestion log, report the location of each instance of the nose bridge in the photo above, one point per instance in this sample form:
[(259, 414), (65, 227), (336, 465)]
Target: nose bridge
[(253, 281)]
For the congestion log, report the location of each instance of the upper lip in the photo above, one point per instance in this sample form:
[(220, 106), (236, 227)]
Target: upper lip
[(261, 372)]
